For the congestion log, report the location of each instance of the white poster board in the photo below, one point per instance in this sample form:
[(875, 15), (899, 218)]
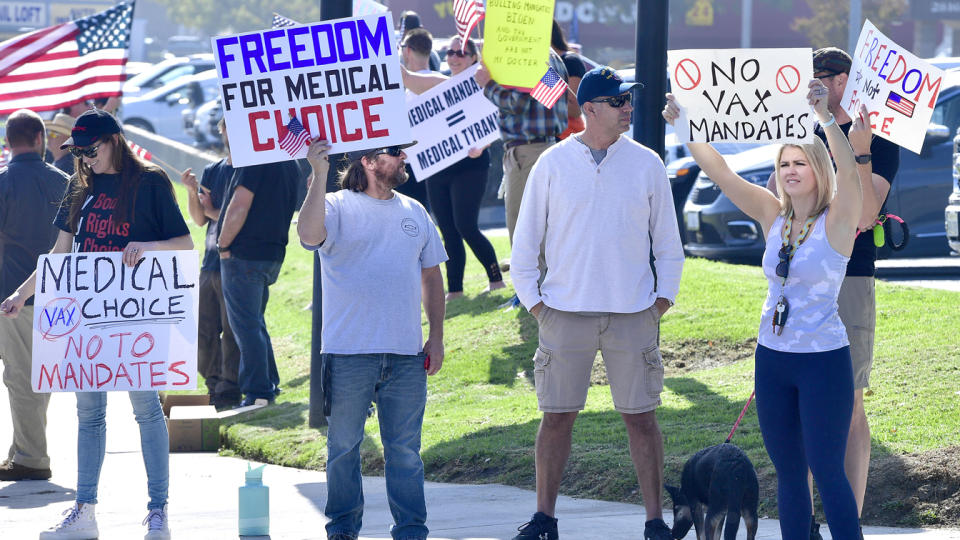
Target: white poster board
[(447, 121), (102, 326), (899, 89), (749, 95), (339, 78)]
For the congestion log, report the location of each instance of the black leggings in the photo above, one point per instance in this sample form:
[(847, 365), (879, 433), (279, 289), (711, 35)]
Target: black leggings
[(455, 195)]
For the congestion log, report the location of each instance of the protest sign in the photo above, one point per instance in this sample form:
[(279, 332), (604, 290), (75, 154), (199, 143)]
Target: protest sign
[(340, 79), (754, 95), (516, 42), (99, 325), (447, 121), (899, 89)]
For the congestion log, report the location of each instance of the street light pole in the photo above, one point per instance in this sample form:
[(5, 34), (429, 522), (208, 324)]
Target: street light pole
[(853, 28), (651, 70), (746, 23)]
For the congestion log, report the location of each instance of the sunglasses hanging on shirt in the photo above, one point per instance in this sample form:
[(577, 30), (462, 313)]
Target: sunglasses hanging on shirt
[(786, 253)]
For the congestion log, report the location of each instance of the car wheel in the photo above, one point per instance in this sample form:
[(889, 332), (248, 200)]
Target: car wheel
[(140, 123)]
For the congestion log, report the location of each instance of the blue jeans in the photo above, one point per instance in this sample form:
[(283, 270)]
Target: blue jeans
[(398, 385), (246, 291), (92, 439)]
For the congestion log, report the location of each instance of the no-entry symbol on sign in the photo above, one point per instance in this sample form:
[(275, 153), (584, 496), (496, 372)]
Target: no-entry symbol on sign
[(687, 74), (788, 79)]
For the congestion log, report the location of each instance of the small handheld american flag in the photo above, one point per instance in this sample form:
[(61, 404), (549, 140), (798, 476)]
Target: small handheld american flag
[(550, 88), (140, 151), (467, 14), (279, 21), (296, 140)]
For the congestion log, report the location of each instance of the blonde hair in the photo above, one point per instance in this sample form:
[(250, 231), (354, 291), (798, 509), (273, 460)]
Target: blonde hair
[(819, 160)]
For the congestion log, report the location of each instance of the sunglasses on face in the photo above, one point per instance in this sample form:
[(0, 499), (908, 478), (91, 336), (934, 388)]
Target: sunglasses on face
[(458, 53), (616, 102), (826, 76), (394, 151), (87, 151), (783, 267)]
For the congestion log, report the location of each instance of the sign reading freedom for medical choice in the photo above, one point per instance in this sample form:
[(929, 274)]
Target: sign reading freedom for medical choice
[(339, 78), (447, 121), (516, 40), (899, 89), (754, 95), (100, 325)]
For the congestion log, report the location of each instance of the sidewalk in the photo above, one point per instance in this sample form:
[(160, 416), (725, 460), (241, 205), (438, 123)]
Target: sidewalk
[(203, 496)]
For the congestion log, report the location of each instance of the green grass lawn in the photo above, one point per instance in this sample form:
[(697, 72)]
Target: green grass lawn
[(482, 417)]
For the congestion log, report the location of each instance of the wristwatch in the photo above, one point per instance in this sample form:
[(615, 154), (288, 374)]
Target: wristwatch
[(221, 249), (863, 159)]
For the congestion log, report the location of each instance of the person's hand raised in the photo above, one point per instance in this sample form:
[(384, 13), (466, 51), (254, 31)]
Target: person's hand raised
[(860, 134), (671, 111), (817, 98)]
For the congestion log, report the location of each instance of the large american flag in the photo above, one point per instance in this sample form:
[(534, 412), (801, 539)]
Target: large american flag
[(467, 14), (68, 63), (296, 140), (550, 88)]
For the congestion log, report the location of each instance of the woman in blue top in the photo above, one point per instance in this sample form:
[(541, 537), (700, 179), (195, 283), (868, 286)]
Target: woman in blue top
[(115, 202), (803, 377)]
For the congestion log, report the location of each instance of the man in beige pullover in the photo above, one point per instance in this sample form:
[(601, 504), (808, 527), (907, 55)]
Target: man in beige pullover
[(599, 203)]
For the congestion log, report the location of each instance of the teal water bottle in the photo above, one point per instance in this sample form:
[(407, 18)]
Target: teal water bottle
[(254, 504)]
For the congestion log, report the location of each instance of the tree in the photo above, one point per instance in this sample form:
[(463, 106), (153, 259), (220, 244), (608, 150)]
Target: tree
[(827, 26), (214, 17)]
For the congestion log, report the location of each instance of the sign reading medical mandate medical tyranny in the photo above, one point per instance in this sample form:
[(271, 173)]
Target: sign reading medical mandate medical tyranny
[(752, 95), (340, 79), (447, 121), (100, 325), (899, 89)]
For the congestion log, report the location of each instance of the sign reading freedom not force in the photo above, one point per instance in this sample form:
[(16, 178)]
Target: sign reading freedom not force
[(340, 79), (899, 89), (753, 95), (447, 121), (100, 325)]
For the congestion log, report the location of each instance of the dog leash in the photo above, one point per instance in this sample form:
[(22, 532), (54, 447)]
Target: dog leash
[(742, 413), (879, 231)]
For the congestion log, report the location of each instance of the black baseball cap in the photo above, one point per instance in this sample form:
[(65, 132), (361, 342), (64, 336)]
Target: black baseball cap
[(357, 154), (832, 61), (90, 126)]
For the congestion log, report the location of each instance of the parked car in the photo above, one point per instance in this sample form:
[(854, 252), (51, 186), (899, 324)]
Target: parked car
[(922, 185), (166, 72), (200, 124), (952, 212), (160, 111)]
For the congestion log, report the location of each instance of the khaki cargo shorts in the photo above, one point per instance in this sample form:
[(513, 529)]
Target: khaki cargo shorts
[(629, 344), (858, 312)]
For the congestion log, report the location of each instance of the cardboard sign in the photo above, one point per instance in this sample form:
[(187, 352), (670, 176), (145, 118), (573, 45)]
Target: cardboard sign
[(340, 79), (899, 89), (447, 121), (516, 44), (102, 326), (750, 95)]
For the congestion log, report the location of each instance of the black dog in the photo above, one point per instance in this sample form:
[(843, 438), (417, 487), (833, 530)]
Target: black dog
[(722, 480)]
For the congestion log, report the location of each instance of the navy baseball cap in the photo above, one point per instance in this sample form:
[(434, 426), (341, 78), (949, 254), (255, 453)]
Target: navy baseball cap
[(357, 154), (602, 81), (90, 126)]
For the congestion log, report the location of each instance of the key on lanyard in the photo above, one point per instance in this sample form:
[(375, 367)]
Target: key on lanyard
[(780, 312)]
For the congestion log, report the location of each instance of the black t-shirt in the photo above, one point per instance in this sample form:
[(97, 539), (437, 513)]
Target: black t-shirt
[(216, 177), (885, 160), (263, 236), (575, 67), (155, 215), (30, 193)]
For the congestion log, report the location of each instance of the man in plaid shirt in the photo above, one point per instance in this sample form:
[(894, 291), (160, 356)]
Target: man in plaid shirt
[(527, 129)]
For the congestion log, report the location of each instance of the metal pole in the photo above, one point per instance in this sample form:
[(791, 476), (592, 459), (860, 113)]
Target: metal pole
[(651, 70), (746, 23), (853, 28), (329, 9)]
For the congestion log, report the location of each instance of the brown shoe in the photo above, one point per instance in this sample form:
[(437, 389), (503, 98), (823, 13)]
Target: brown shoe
[(14, 472)]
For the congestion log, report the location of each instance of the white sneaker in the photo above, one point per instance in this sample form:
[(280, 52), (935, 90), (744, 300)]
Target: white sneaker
[(80, 524), (156, 522)]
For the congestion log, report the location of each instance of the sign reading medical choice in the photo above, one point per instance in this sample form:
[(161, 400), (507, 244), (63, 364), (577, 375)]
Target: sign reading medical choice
[(339, 78), (899, 89), (447, 121), (100, 325), (753, 95)]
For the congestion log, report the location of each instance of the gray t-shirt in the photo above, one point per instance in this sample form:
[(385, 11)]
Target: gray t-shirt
[(370, 266)]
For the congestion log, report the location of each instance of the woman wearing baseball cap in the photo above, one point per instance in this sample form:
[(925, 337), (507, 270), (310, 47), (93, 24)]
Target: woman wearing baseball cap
[(135, 200)]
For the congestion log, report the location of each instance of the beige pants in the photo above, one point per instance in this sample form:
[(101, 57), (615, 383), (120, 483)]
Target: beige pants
[(858, 312), (517, 162), (29, 410)]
